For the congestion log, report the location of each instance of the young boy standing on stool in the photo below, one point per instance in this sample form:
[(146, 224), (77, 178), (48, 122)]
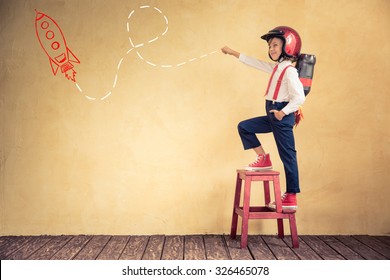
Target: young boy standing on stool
[(282, 101)]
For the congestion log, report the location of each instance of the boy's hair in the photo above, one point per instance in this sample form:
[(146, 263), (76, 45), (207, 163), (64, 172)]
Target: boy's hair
[(285, 57)]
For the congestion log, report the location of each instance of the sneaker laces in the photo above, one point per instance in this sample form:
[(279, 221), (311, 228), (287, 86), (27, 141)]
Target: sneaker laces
[(258, 159), (283, 197)]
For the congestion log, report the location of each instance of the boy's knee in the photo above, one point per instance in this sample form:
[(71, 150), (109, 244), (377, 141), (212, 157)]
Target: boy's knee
[(241, 126)]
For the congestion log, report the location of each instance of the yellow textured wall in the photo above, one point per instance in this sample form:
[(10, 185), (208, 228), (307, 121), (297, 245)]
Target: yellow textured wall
[(158, 155)]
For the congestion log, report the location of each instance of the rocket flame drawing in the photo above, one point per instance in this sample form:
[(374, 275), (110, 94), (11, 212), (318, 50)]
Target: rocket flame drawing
[(54, 44)]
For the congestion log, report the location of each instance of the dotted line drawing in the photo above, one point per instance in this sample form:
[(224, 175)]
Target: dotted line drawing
[(137, 47)]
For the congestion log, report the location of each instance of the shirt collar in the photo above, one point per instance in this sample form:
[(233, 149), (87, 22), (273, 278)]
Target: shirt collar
[(285, 63)]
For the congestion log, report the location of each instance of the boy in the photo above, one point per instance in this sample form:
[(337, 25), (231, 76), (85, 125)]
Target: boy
[(281, 102)]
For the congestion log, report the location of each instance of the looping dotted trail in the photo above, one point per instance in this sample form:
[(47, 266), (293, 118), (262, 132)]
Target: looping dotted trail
[(137, 47)]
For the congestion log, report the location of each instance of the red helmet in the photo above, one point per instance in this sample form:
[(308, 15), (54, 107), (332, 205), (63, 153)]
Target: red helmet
[(291, 40)]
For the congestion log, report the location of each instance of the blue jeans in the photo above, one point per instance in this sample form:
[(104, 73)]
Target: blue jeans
[(284, 138)]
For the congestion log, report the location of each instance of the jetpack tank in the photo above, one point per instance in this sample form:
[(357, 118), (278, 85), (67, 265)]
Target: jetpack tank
[(305, 66)]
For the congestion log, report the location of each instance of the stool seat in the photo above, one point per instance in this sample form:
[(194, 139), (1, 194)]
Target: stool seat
[(246, 211)]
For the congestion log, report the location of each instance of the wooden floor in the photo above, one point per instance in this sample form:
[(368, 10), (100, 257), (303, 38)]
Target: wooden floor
[(192, 247)]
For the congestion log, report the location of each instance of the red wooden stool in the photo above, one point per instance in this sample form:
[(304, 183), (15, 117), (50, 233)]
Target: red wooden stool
[(260, 212)]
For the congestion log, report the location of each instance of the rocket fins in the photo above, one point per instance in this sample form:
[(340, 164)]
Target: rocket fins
[(71, 56), (54, 66)]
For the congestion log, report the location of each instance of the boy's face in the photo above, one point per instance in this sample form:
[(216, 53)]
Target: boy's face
[(275, 48)]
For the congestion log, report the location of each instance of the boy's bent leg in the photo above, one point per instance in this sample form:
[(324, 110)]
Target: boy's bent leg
[(248, 129)]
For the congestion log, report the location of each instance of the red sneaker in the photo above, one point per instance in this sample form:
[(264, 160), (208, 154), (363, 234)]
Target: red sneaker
[(261, 162), (289, 202)]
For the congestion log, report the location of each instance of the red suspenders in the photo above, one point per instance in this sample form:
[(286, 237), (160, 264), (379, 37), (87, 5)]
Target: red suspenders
[(298, 114), (279, 83)]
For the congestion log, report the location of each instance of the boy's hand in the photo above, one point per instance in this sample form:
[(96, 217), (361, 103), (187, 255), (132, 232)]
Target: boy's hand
[(227, 50), (279, 115)]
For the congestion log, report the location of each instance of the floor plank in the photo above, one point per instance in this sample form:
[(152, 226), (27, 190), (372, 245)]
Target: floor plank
[(93, 248), (5, 241), (384, 239), (304, 252), (194, 248), (47, 251), (215, 248), (259, 248), (113, 248), (375, 244), (279, 248), (321, 248), (13, 244), (360, 248), (30, 247), (154, 248), (341, 248), (135, 248), (71, 248), (235, 251), (173, 248)]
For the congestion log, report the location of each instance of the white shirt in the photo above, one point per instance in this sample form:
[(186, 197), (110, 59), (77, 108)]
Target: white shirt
[(291, 89)]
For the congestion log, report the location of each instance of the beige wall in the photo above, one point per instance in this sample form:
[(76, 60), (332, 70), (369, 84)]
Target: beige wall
[(158, 156)]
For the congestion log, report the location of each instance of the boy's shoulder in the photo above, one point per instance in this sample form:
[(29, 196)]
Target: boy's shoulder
[(287, 66), (289, 71)]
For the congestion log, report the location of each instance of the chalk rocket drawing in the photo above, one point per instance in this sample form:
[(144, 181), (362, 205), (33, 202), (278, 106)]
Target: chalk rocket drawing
[(54, 44)]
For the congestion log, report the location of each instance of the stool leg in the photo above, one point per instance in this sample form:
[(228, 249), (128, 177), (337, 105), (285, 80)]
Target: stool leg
[(293, 230), (278, 202), (278, 195), (280, 228), (236, 203), (267, 196), (245, 218)]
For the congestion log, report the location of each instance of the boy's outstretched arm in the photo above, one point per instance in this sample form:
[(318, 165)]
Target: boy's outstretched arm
[(227, 50)]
